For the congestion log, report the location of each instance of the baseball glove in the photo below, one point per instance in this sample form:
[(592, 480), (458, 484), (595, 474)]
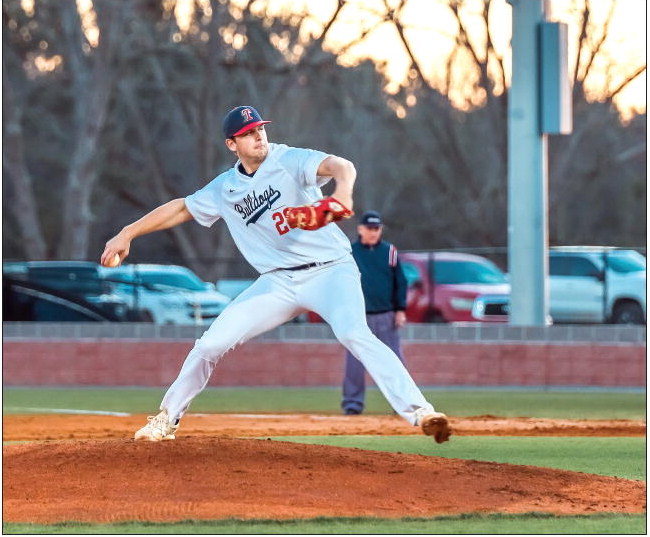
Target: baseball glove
[(317, 215)]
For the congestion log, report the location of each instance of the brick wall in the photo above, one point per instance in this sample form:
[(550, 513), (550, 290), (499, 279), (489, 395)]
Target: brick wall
[(131, 362)]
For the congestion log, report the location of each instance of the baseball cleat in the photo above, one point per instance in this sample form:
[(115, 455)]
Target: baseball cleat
[(436, 424), (158, 428)]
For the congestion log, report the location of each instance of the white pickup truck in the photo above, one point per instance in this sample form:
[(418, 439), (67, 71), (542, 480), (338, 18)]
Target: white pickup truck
[(597, 285)]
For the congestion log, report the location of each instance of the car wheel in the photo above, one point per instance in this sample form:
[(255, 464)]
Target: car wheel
[(628, 313)]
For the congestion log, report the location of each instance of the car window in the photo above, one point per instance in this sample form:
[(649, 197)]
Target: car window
[(559, 266), (580, 266), (411, 272), (73, 280), (183, 281), (459, 272), (626, 262)]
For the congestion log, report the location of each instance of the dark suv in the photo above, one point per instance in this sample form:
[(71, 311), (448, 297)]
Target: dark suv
[(75, 279)]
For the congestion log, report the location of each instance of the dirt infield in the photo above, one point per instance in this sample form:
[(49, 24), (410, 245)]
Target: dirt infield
[(83, 426), (86, 468)]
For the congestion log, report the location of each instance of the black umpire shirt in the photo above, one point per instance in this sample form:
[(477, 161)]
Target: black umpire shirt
[(382, 278)]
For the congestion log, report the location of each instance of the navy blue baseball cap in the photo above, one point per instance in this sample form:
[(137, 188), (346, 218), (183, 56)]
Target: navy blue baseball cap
[(240, 120), (371, 218)]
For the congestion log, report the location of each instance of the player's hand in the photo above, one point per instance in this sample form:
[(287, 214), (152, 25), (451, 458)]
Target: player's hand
[(117, 246), (400, 319), (317, 215)]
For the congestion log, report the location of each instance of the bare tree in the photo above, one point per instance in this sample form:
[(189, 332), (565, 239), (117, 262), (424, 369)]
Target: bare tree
[(107, 132), (468, 164), (467, 168), (94, 77), (573, 157), (24, 208)]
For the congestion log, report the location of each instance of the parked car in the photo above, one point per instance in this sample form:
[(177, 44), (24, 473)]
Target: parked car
[(76, 279), (491, 306), (23, 300), (167, 294), (232, 288), (444, 287), (597, 285), (589, 285)]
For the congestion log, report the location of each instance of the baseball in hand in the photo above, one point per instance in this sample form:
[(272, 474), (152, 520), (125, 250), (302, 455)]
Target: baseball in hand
[(114, 261)]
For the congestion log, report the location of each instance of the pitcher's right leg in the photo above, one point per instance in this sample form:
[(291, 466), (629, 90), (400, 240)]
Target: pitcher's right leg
[(344, 312)]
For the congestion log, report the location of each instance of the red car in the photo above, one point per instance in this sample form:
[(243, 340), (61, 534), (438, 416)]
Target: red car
[(446, 287)]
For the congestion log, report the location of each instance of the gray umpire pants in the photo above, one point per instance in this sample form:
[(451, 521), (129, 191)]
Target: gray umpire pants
[(383, 326)]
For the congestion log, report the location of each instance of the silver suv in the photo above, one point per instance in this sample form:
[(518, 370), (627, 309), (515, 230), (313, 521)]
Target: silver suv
[(597, 285), (167, 294)]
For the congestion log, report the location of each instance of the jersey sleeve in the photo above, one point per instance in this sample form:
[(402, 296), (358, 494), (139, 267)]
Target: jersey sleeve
[(203, 205), (304, 163)]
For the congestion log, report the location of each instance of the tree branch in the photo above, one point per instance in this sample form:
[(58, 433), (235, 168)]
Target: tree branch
[(626, 81), (391, 16), (593, 51), (582, 38)]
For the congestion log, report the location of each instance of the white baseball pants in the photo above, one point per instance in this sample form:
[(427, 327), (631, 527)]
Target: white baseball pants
[(334, 292)]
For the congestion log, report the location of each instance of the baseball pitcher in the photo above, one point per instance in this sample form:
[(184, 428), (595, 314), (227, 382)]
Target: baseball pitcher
[(276, 213)]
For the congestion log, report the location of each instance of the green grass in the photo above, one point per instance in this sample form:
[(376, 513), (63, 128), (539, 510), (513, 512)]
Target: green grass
[(451, 525), (507, 403), (620, 457), (542, 404), (623, 457)]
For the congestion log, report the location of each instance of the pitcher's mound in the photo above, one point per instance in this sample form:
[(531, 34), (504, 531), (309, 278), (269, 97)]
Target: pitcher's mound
[(214, 478)]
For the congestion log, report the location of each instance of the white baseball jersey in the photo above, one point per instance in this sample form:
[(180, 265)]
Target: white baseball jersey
[(252, 208)]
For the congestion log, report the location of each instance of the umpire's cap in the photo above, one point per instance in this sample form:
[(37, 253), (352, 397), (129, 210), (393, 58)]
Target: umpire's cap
[(240, 120), (371, 218)]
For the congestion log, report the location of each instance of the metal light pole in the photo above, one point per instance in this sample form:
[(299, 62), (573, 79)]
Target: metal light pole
[(537, 106)]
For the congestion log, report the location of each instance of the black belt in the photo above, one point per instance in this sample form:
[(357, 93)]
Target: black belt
[(309, 265)]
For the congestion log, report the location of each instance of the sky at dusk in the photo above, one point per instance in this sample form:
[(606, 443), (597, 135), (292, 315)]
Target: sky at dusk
[(430, 30)]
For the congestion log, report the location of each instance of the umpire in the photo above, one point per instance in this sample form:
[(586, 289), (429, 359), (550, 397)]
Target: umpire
[(384, 290)]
